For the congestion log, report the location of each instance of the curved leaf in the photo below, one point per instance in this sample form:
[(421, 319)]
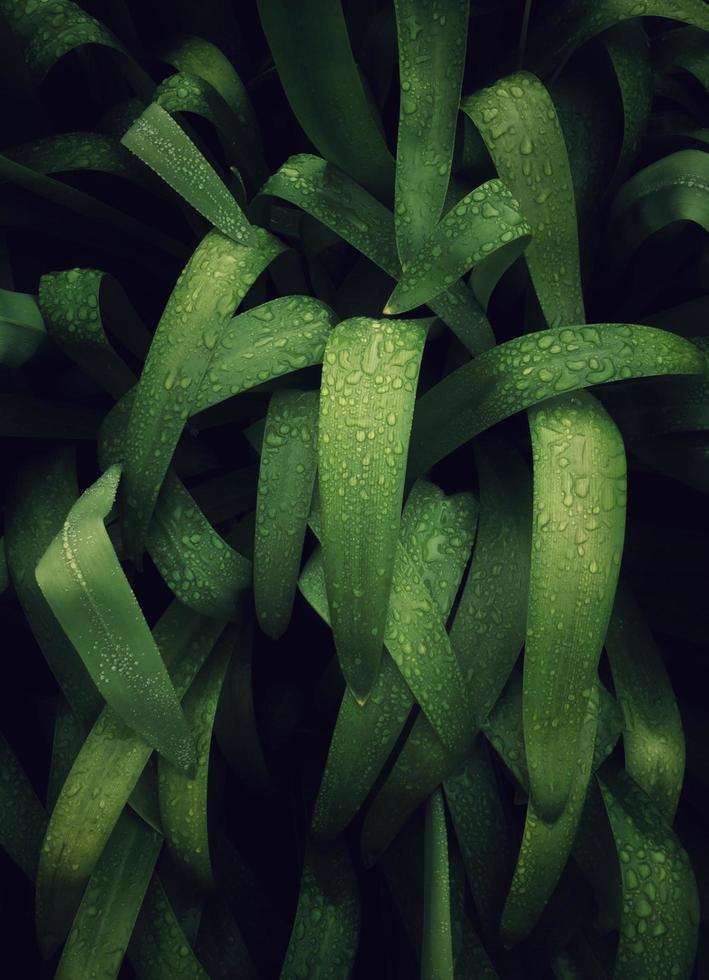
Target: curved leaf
[(367, 393), (532, 369), (319, 75), (658, 929), (574, 23), (517, 119), (437, 944), (285, 489), (212, 284), (183, 800), (323, 191), (111, 903), (22, 328), (82, 581), (89, 804), (482, 223)]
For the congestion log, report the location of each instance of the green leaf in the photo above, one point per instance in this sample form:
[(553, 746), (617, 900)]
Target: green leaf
[(577, 542), (111, 903), (432, 47), (164, 146), (325, 931), (215, 280), (202, 569), (628, 48), (480, 824), (68, 152), (546, 846), (41, 494), (285, 490), (437, 943), (183, 800), (437, 532), (487, 632), (517, 119), (198, 565), (22, 329), (674, 188), (200, 57), (532, 369), (486, 644), (574, 23), (367, 393), (653, 739), (318, 72), (82, 581), (71, 306), (323, 191), (658, 929), (47, 33), (263, 343), (187, 92), (89, 804), (482, 223)]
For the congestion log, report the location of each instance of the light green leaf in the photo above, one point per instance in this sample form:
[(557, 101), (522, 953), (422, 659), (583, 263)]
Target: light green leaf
[(82, 581), (479, 225), (183, 800), (164, 146), (213, 283), (41, 495), (323, 191), (517, 119), (532, 369), (367, 393), (89, 803), (577, 542), (658, 929), (285, 490), (111, 903)]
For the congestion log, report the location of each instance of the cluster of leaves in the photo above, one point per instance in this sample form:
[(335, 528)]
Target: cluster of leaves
[(341, 648)]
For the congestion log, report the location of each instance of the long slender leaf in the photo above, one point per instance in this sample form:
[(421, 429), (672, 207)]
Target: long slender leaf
[(111, 903), (285, 490), (89, 805), (658, 931), (366, 404), (432, 46), (437, 945), (212, 284), (82, 581), (183, 800), (315, 64)]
